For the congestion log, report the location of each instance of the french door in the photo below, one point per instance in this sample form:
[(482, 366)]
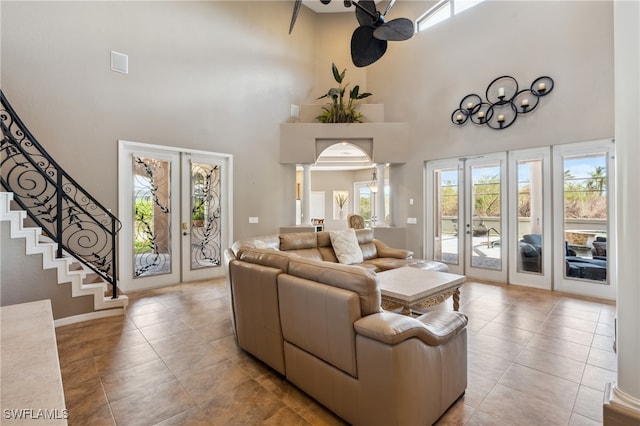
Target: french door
[(466, 215), (531, 253), (175, 210), (584, 218), (560, 223)]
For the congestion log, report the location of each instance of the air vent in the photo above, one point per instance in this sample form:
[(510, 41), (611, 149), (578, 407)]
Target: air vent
[(119, 62)]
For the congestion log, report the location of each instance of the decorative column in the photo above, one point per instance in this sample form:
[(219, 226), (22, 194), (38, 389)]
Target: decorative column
[(622, 397), (380, 214), (306, 194)]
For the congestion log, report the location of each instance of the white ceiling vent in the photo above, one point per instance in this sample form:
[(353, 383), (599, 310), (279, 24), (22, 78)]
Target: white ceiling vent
[(119, 62)]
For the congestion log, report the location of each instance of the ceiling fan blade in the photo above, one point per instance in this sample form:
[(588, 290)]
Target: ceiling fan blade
[(366, 12), (389, 6), (296, 10), (365, 48), (395, 30), (325, 1)]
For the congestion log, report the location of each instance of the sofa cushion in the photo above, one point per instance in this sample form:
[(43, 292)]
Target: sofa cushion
[(353, 278), (298, 240), (325, 248), (267, 257), (346, 247)]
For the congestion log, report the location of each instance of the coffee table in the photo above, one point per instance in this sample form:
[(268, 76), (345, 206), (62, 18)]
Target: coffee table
[(411, 288)]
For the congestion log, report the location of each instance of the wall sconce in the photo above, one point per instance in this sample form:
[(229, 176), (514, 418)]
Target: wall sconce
[(504, 102)]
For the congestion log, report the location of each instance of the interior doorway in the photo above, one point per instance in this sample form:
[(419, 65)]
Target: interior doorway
[(176, 211)]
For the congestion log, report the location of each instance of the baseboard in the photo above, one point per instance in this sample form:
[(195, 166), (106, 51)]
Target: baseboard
[(89, 316), (619, 409)]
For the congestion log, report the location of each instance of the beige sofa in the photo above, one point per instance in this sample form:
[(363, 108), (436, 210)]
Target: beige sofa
[(377, 255), (320, 324)]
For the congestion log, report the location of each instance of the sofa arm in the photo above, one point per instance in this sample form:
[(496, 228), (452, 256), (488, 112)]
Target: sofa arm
[(433, 328), (384, 250)]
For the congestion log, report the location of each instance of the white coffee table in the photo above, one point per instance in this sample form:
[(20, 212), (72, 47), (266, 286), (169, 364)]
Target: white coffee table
[(410, 287)]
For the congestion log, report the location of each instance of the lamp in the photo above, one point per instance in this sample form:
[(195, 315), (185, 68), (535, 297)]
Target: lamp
[(373, 187), (504, 102)]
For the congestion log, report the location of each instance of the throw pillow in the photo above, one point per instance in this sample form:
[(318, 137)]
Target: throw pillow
[(345, 245), (600, 248)]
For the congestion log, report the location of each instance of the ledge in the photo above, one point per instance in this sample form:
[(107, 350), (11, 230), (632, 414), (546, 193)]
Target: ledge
[(384, 142), (30, 371)]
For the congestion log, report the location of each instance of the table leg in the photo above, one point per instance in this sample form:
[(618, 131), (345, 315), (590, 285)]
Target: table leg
[(456, 300)]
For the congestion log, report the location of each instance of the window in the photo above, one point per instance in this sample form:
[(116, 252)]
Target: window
[(444, 10)]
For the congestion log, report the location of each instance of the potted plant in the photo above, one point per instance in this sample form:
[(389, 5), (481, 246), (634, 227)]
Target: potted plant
[(338, 111)]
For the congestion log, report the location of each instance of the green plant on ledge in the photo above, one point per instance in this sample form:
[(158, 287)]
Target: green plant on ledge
[(338, 111)]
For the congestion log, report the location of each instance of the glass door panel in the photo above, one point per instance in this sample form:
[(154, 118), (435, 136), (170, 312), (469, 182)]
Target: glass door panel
[(448, 196), (152, 217), (486, 223), (485, 217), (584, 203), (529, 218), (205, 215), (444, 215), (204, 208)]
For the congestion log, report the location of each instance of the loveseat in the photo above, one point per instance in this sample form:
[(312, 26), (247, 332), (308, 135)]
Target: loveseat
[(319, 323)]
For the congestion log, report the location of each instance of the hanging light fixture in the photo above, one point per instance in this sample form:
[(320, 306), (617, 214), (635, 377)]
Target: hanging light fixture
[(373, 187)]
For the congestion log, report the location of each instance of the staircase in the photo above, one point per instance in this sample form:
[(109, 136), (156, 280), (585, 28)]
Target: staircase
[(83, 280)]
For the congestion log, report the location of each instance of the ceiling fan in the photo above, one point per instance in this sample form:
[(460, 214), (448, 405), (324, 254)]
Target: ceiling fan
[(369, 40)]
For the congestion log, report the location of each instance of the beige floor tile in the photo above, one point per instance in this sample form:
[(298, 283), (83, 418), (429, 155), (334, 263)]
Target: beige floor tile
[(127, 382), (547, 362), (602, 359), (494, 346), (212, 382), (541, 385), (152, 404), (596, 377), (560, 347), (589, 403), (571, 322), (517, 408), (527, 354), (508, 333), (566, 333)]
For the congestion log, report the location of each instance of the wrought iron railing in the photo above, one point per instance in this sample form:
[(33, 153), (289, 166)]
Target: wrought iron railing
[(66, 212)]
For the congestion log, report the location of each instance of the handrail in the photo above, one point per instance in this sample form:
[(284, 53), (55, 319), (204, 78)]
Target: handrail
[(64, 210)]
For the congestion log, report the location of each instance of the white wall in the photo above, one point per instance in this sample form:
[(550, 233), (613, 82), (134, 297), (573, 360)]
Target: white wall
[(422, 80), (221, 75), (211, 75)]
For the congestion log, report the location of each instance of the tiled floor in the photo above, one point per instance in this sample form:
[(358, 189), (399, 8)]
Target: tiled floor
[(535, 358)]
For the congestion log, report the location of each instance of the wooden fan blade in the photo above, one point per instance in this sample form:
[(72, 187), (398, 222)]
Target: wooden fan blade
[(365, 48), (296, 10), (395, 30)]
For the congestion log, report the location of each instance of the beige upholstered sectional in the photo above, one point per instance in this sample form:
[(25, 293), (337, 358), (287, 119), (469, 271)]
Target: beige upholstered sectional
[(319, 323)]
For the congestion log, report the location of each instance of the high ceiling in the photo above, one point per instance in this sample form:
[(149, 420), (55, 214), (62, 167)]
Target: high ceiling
[(336, 6)]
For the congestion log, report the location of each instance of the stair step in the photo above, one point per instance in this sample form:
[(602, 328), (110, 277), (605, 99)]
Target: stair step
[(83, 281)]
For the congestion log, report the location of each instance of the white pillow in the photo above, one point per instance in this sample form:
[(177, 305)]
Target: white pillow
[(345, 245)]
